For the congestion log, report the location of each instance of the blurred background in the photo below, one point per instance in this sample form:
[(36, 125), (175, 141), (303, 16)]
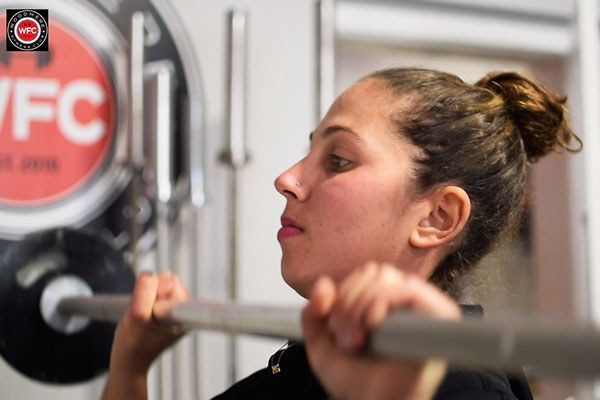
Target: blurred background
[(251, 80)]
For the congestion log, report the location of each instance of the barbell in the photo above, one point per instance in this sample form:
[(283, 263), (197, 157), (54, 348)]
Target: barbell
[(62, 291)]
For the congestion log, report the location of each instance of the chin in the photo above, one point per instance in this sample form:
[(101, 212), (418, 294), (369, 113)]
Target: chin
[(296, 281)]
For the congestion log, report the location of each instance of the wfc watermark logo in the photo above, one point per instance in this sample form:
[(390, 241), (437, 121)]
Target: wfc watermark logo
[(27, 30)]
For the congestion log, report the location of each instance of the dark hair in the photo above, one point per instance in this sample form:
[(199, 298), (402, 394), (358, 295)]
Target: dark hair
[(480, 137)]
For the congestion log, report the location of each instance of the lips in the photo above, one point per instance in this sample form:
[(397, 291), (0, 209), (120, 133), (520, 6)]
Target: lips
[(289, 228), (288, 222)]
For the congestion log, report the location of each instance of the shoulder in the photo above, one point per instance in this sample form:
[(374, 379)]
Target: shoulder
[(480, 385)]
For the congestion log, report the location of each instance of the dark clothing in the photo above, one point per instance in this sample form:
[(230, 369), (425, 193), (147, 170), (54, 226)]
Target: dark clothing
[(297, 382)]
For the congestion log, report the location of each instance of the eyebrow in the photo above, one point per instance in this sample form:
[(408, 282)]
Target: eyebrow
[(330, 130)]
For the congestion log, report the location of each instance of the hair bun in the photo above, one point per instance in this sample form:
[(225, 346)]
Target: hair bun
[(538, 113)]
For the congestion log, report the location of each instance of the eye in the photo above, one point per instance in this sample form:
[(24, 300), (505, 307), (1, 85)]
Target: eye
[(337, 164)]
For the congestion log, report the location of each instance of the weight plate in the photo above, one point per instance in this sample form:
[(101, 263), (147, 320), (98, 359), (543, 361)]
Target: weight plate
[(26, 267)]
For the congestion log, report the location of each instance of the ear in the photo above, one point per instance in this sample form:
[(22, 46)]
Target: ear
[(448, 213)]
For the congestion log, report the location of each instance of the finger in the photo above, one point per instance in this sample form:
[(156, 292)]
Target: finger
[(371, 308), (348, 287), (322, 297), (144, 296), (344, 314), (320, 346), (422, 296), (162, 309), (166, 282), (179, 292), (396, 290), (318, 308), (375, 313), (410, 292)]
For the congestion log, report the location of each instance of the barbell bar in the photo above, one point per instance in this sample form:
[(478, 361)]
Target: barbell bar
[(552, 348)]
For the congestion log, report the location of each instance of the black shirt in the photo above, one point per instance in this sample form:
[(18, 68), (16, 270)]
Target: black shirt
[(296, 381)]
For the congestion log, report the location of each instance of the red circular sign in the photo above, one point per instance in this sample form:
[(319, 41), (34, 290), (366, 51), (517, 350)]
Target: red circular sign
[(57, 119), (28, 30)]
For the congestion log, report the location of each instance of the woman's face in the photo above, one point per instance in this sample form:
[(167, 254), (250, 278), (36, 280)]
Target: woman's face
[(351, 196)]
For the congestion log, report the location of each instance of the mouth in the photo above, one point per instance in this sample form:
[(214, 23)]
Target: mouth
[(289, 228)]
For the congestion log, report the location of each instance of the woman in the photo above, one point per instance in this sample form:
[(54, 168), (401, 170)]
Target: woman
[(412, 176)]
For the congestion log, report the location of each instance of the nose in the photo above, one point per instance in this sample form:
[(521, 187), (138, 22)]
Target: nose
[(290, 185)]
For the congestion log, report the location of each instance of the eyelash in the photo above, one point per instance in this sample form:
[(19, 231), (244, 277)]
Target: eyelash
[(333, 163)]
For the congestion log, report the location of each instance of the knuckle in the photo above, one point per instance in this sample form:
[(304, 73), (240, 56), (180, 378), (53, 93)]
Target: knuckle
[(371, 267), (137, 315), (377, 311), (412, 282)]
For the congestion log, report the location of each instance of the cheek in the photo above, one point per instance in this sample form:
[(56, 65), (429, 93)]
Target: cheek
[(360, 217), (352, 221), (338, 207)]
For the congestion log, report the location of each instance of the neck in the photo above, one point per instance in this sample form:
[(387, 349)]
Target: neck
[(421, 262)]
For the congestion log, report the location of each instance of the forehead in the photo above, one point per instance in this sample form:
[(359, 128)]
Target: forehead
[(366, 98), (367, 107), (368, 104)]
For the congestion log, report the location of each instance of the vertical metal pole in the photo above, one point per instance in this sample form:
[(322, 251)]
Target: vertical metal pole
[(136, 130), (325, 45), (137, 164), (235, 155), (195, 148), (589, 72), (161, 85)]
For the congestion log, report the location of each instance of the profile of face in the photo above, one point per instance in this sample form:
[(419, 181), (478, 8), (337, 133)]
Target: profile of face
[(352, 198)]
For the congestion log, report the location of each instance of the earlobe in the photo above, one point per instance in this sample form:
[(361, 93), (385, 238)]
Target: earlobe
[(448, 214)]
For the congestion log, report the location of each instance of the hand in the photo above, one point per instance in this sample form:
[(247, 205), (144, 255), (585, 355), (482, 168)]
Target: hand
[(338, 320), (139, 339)]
